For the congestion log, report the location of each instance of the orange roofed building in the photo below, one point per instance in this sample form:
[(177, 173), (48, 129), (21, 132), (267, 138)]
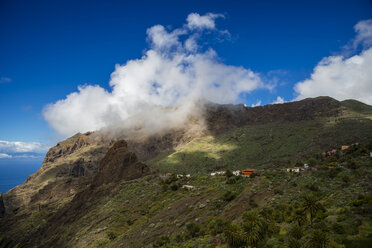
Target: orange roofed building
[(248, 172)]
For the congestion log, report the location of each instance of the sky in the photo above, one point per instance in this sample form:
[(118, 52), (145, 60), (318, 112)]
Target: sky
[(70, 66)]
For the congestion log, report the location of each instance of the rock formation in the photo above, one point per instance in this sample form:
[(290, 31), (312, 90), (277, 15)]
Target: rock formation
[(120, 164), (2, 207)]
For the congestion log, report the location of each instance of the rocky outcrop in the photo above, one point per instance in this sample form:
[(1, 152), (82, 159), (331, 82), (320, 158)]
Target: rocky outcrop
[(2, 207), (120, 164)]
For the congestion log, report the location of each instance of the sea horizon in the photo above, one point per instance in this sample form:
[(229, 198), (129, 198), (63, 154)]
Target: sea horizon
[(13, 173)]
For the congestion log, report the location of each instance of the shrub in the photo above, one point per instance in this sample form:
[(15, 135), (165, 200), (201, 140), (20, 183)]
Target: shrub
[(161, 241), (228, 173), (217, 226), (338, 228), (228, 196), (111, 235), (174, 186), (193, 230)]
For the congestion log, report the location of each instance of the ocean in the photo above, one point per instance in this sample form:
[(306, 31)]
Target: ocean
[(13, 173)]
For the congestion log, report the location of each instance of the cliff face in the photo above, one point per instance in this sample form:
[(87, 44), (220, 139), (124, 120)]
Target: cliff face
[(119, 164), (67, 168), (2, 207)]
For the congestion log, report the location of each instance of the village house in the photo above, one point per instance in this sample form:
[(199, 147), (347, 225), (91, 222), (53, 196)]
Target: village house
[(218, 173), (236, 173), (294, 169), (181, 176), (188, 187), (329, 153), (248, 172), (344, 148)]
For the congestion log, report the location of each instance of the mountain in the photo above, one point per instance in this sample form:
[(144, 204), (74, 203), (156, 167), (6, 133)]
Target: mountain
[(97, 190)]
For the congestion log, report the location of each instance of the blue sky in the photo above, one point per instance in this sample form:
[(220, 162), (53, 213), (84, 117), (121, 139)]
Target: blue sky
[(49, 48)]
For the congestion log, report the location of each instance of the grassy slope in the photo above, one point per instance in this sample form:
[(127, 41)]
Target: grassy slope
[(263, 146), (141, 211), (138, 212)]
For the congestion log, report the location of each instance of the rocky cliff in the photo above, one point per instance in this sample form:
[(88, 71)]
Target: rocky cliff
[(119, 164), (2, 207)]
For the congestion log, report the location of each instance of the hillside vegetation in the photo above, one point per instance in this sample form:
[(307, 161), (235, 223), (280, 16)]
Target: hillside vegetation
[(327, 204)]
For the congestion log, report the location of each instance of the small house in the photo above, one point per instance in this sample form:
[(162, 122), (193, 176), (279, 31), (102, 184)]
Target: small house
[(294, 169), (236, 173), (218, 173), (248, 172), (188, 187), (344, 148)]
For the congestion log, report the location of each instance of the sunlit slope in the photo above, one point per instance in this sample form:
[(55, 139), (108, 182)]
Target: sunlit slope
[(270, 144)]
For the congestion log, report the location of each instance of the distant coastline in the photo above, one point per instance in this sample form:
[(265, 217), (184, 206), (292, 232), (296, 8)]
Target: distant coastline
[(13, 173)]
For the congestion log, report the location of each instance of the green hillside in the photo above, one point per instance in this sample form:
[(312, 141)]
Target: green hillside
[(150, 212), (328, 204), (268, 145)]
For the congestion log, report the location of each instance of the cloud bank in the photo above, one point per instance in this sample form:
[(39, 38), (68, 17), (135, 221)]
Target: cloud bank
[(160, 89), (21, 147), (22, 150), (4, 155), (343, 77)]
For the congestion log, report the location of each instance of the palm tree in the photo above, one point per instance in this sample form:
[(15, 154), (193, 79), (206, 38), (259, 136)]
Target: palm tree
[(255, 228), (294, 243), (311, 205), (318, 239), (299, 216), (296, 232), (235, 236)]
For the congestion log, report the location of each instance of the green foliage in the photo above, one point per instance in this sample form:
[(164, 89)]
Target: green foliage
[(111, 235), (217, 225), (193, 230), (228, 196), (311, 204), (319, 239), (161, 241), (228, 174)]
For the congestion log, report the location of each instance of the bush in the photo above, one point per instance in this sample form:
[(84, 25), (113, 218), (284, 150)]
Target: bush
[(228, 196), (174, 186), (161, 241), (193, 230), (217, 226), (231, 180), (111, 235), (228, 173), (338, 228)]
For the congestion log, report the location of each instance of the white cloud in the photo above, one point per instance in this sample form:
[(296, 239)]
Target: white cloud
[(258, 103), (278, 100), (196, 21), (28, 156), (343, 77), (364, 33), (159, 90), (4, 155), (21, 147)]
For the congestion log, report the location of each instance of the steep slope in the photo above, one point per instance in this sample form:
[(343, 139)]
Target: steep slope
[(269, 136), (70, 200)]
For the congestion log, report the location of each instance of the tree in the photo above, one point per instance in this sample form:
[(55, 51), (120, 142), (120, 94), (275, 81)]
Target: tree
[(319, 239), (255, 228), (310, 204), (299, 216), (235, 236)]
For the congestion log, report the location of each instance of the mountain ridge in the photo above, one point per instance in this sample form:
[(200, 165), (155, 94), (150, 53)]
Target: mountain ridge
[(78, 171)]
